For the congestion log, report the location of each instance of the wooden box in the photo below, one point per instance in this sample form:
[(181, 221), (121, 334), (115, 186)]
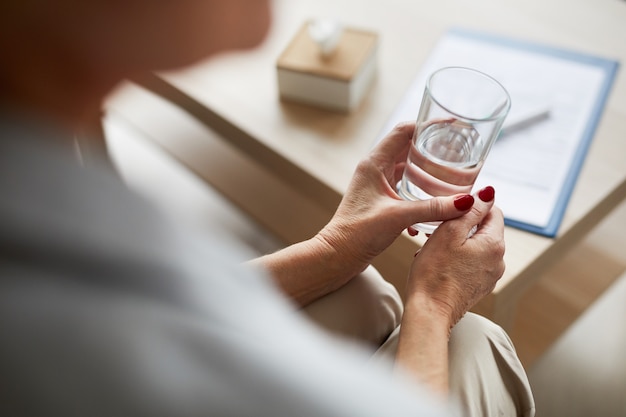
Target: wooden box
[(338, 81)]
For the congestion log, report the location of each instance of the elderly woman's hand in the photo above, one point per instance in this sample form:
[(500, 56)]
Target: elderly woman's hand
[(369, 218), (372, 215), (460, 263)]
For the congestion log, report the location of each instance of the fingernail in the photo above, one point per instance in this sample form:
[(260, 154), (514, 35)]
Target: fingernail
[(487, 194), (464, 202)]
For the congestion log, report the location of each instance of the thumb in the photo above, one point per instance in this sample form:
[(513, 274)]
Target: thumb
[(472, 219), (437, 208)]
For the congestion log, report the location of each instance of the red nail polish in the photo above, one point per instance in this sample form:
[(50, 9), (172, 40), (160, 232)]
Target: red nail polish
[(464, 202), (487, 194)]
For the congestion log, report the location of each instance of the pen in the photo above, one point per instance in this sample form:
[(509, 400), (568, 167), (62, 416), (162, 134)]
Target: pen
[(524, 119)]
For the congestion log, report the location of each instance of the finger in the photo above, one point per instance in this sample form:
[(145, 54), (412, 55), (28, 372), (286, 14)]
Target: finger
[(493, 223), (467, 225), (394, 146), (398, 173), (485, 199), (434, 209)]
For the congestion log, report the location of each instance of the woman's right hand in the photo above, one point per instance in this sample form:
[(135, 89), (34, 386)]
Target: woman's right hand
[(455, 268)]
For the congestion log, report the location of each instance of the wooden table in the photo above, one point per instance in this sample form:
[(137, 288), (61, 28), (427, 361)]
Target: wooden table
[(287, 164)]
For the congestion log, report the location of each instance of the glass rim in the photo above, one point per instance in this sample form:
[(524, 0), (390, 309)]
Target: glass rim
[(498, 114)]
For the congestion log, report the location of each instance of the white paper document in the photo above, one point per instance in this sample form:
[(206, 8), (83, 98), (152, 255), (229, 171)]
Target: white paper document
[(534, 167)]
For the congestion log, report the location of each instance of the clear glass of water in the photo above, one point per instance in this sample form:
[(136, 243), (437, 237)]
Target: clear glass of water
[(460, 117)]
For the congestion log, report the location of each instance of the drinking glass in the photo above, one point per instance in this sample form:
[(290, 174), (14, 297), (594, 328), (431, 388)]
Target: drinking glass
[(459, 119)]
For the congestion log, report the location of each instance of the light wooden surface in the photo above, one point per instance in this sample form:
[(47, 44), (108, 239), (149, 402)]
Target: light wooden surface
[(308, 155)]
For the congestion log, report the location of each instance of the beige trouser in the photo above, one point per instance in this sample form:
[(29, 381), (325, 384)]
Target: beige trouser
[(486, 376)]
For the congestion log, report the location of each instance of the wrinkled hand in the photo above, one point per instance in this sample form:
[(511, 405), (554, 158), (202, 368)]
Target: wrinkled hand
[(372, 215), (455, 271)]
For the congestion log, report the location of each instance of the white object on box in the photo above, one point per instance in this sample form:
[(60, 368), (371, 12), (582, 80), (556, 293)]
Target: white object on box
[(336, 79), (326, 33)]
